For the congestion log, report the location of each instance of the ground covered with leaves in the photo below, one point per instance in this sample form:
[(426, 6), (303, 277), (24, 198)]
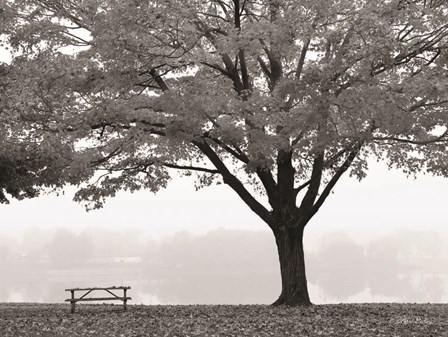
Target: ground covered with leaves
[(246, 320)]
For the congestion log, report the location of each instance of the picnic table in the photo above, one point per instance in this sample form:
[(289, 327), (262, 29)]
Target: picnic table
[(109, 290)]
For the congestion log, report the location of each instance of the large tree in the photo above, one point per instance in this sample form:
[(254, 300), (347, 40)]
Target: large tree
[(275, 98)]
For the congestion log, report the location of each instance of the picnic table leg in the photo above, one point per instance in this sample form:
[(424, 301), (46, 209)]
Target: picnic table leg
[(72, 302), (125, 300)]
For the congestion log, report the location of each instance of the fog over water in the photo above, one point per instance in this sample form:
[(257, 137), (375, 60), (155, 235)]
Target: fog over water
[(382, 240), (221, 266)]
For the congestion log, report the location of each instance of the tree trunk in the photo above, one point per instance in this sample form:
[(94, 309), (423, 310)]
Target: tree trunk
[(292, 267)]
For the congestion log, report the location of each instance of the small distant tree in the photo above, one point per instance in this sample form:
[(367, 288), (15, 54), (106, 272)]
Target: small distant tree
[(277, 99), (67, 249), (4, 253)]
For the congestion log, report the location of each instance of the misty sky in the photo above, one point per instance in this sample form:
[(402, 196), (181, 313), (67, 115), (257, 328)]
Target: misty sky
[(384, 201)]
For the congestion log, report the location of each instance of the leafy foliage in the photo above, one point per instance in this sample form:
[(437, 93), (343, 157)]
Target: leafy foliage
[(323, 320), (29, 158)]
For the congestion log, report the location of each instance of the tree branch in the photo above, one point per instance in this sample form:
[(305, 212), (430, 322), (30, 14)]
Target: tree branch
[(313, 189), (348, 161), (234, 182), (264, 68), (285, 181), (424, 105), (302, 58), (159, 80), (238, 154), (441, 138), (301, 187), (100, 161), (237, 14), (191, 168), (265, 176), (241, 56), (234, 76), (217, 67), (276, 68), (244, 71)]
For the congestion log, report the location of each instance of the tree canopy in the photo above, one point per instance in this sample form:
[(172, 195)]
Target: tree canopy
[(275, 98), (150, 86)]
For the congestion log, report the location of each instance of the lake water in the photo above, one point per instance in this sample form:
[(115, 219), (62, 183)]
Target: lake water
[(28, 283)]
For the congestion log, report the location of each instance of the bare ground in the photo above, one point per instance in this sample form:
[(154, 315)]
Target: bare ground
[(405, 320)]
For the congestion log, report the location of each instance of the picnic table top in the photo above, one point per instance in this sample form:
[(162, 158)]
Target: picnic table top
[(97, 288), (98, 299)]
